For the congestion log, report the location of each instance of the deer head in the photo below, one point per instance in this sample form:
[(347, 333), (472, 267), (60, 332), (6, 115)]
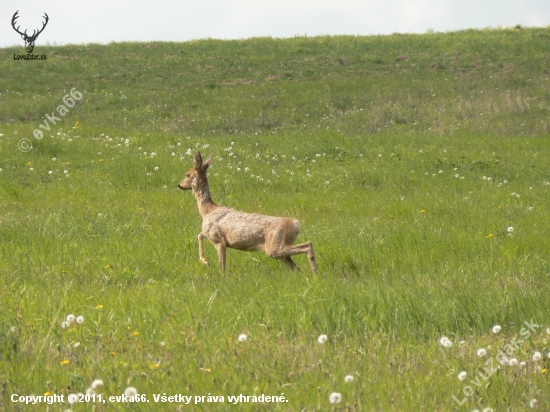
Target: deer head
[(196, 178), (29, 40)]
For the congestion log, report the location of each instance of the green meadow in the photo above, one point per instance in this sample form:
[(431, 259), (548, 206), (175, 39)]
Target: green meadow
[(418, 165)]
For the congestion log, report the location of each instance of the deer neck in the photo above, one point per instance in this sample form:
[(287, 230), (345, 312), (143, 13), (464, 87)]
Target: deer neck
[(204, 199)]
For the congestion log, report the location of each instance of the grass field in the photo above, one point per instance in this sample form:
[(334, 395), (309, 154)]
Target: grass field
[(418, 165)]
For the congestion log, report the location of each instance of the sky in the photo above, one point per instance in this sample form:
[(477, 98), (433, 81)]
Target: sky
[(104, 21)]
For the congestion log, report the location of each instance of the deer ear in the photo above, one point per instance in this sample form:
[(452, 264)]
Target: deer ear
[(197, 161), (208, 162)]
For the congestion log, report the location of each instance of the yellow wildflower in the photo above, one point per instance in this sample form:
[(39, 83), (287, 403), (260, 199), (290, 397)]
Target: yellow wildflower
[(65, 362)]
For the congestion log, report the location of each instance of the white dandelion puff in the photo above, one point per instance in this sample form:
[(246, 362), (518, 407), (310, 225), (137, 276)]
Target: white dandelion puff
[(445, 342), (79, 320), (497, 329), (513, 362), (481, 352), (462, 376), (533, 403), (70, 318), (335, 398), (65, 324), (130, 392), (349, 378), (322, 339), (537, 356), (90, 391), (96, 384), (510, 229), (242, 337)]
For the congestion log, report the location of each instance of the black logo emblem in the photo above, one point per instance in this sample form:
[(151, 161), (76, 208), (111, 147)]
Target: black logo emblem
[(29, 40)]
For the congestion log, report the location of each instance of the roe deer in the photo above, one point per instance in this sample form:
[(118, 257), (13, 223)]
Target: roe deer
[(226, 227)]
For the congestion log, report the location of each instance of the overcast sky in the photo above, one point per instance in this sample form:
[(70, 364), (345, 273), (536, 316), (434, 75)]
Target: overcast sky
[(103, 21)]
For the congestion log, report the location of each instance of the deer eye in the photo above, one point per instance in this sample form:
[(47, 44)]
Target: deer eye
[(187, 175)]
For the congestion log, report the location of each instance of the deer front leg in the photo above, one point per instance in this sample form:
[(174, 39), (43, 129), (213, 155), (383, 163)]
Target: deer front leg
[(201, 251), (220, 247)]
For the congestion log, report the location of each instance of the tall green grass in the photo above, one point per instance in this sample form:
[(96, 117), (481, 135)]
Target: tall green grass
[(406, 158)]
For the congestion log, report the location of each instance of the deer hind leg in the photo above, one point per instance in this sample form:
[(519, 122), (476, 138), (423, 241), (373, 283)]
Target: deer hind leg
[(289, 262), (289, 251), (221, 248), (201, 249)]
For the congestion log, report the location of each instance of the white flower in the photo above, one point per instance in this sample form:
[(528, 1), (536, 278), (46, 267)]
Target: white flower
[(481, 352), (462, 376), (533, 403), (70, 318), (76, 345), (335, 398), (156, 168), (510, 229), (522, 364), (445, 342), (90, 391), (65, 171), (65, 324), (537, 356), (50, 172), (242, 337), (349, 378), (130, 391), (513, 362), (497, 329), (79, 319), (96, 384), (322, 339), (54, 159)]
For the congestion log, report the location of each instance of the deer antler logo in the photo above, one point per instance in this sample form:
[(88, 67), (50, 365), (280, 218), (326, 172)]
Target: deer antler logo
[(29, 40)]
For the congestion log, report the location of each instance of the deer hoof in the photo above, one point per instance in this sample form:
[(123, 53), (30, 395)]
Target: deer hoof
[(204, 262)]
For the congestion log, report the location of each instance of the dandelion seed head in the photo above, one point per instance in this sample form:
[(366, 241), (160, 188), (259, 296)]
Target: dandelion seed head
[(242, 337), (462, 376), (70, 318), (497, 329), (322, 339), (481, 352), (537, 356), (513, 362), (335, 398), (533, 403), (130, 391), (445, 342), (349, 378), (79, 320), (96, 384)]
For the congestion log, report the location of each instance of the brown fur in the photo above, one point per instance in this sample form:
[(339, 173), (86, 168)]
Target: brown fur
[(226, 227)]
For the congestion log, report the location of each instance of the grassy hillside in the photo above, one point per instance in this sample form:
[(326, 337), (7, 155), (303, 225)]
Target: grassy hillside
[(418, 165)]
